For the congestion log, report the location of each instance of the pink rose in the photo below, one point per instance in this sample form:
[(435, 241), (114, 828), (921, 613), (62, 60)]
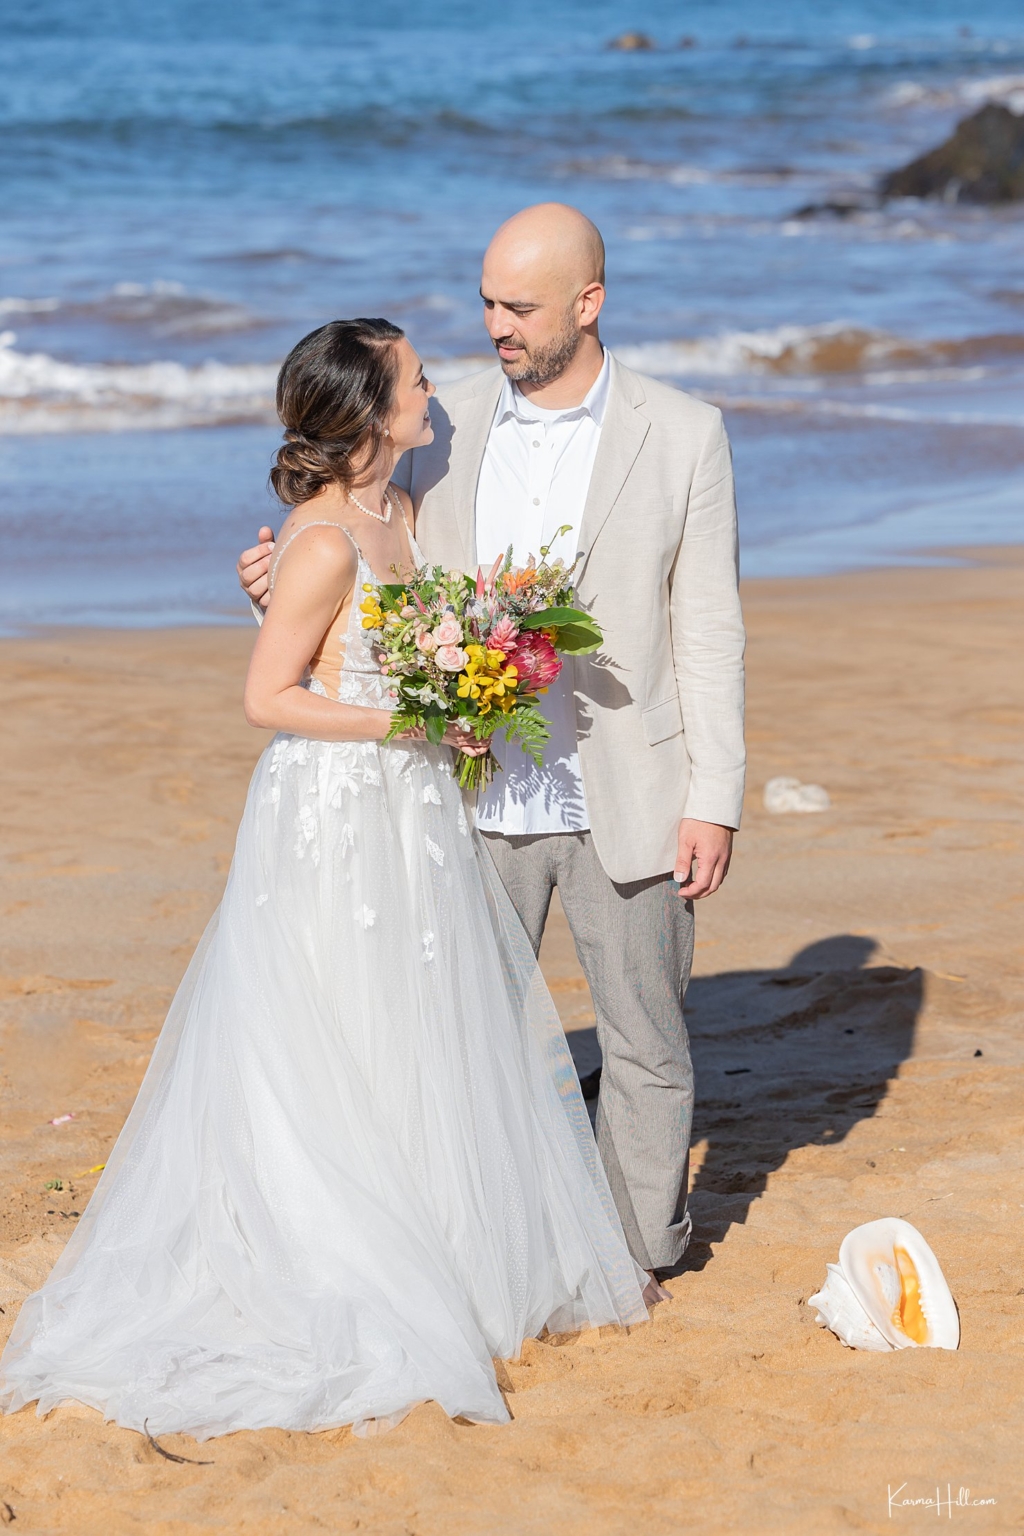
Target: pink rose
[(502, 636), (449, 631), (535, 659), (425, 641), (450, 658)]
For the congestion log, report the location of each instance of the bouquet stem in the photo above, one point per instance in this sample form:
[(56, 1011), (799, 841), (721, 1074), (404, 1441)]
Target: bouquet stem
[(475, 772)]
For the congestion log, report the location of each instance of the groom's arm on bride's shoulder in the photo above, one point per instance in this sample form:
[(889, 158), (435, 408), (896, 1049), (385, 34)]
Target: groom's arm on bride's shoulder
[(708, 643), (253, 571)]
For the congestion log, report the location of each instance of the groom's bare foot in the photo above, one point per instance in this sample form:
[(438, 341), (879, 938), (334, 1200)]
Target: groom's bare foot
[(654, 1291)]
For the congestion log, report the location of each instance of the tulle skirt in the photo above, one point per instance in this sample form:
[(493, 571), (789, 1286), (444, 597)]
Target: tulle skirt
[(359, 1166)]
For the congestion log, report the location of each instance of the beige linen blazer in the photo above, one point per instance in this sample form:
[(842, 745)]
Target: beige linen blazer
[(659, 709)]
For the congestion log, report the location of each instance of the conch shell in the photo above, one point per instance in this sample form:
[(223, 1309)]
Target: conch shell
[(839, 1309), (887, 1291)]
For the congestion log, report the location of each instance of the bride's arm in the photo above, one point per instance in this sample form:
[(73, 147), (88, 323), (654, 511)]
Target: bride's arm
[(310, 586)]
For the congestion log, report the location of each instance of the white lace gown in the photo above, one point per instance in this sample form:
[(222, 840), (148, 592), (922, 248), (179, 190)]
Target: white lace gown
[(359, 1165)]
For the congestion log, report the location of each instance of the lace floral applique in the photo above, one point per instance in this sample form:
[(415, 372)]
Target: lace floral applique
[(288, 750), (462, 823), (307, 838), (365, 688), (261, 899), (428, 948), (366, 917), (347, 840), (338, 769), (431, 794), (402, 762), (436, 853)]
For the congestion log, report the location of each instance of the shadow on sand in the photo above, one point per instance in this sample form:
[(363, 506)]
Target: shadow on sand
[(784, 1059)]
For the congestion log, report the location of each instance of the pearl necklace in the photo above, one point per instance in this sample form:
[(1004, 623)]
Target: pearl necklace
[(380, 517)]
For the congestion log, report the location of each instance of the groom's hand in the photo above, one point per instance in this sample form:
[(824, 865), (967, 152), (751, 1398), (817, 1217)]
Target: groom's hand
[(253, 565), (702, 858)]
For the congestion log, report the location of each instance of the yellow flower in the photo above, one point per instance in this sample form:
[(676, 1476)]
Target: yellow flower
[(374, 619), (487, 681)]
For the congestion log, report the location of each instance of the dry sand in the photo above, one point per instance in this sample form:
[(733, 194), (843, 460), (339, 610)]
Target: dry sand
[(856, 1015)]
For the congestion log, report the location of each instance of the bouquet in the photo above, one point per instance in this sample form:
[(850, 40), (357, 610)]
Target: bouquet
[(478, 651)]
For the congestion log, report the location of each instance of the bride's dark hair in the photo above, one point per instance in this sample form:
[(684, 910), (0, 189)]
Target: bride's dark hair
[(334, 396)]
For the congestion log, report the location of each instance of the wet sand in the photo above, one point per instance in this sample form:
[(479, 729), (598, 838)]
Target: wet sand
[(856, 1014)]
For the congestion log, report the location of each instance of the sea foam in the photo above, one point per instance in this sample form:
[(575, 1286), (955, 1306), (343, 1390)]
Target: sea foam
[(40, 393), (44, 394)]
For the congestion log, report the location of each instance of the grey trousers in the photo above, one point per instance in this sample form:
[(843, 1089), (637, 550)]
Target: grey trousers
[(635, 944)]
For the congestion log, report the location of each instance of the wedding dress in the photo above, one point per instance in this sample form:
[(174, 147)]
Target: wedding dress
[(359, 1165)]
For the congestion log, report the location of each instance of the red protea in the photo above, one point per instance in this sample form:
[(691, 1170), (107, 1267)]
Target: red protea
[(535, 659)]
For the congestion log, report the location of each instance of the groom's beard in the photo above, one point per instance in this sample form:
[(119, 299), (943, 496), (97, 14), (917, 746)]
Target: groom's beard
[(542, 365)]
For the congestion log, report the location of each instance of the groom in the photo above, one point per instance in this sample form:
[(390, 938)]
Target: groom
[(632, 815)]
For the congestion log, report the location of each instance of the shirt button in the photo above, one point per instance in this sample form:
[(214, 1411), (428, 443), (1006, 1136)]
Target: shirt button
[(536, 445), (536, 501)]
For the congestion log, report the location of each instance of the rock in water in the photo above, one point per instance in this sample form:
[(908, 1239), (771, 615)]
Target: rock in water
[(983, 162), (632, 42)]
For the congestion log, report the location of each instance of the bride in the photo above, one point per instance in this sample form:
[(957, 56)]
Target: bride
[(359, 1166)]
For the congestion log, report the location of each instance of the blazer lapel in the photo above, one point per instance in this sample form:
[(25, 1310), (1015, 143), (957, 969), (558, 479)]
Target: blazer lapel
[(622, 436), (471, 421)]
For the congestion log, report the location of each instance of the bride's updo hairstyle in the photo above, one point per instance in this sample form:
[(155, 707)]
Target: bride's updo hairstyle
[(334, 395)]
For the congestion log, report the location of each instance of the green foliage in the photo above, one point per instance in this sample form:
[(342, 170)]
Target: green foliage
[(435, 724), (403, 720), (579, 639), (529, 728), (576, 632), (551, 618)]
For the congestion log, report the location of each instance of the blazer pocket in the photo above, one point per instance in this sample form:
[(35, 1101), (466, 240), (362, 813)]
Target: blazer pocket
[(662, 721)]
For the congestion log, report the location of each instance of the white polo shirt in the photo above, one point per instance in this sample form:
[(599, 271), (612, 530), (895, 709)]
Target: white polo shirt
[(535, 478)]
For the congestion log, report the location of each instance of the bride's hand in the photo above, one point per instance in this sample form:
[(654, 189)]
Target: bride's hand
[(458, 734)]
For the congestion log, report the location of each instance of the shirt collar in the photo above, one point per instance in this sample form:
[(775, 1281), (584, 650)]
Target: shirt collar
[(512, 404)]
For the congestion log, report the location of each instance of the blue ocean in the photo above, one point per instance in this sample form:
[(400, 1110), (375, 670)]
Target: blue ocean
[(188, 188)]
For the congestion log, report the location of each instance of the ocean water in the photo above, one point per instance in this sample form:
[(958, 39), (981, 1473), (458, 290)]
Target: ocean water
[(187, 189)]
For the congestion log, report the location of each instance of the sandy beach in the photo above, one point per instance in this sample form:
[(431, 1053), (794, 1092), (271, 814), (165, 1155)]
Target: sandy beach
[(856, 1016)]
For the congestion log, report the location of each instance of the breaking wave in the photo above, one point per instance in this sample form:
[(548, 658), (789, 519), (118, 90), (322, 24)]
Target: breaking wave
[(40, 393), (1008, 90), (161, 308), (43, 394), (622, 167), (833, 348)]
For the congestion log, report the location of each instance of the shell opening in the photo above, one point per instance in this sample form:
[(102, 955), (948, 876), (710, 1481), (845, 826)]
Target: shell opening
[(908, 1316)]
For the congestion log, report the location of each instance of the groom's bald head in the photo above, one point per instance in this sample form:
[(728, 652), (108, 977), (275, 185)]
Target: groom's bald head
[(550, 241), (543, 286)]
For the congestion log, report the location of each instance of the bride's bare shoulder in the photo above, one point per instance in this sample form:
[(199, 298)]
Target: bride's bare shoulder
[(315, 551)]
